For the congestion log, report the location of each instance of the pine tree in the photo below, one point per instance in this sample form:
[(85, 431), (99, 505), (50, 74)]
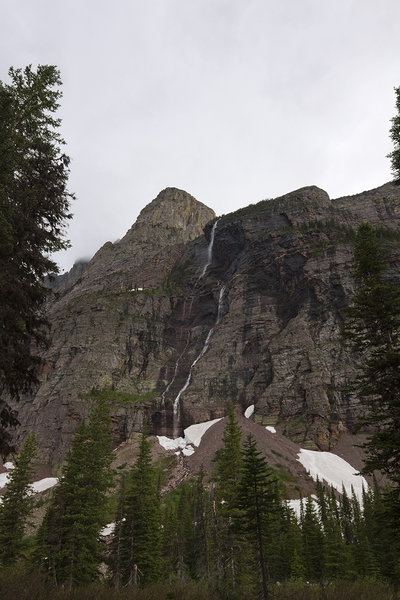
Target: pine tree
[(289, 557), (17, 503), (171, 543), (115, 550), (202, 527), (373, 330), (382, 529), (256, 500), (49, 539), (312, 536), (395, 135), (364, 560), (34, 205), (68, 545), (228, 463), (186, 532), (141, 558), (284, 540), (227, 472)]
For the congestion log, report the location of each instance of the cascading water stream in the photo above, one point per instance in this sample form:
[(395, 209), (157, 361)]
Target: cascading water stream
[(176, 415), (210, 249), (202, 353), (175, 372)]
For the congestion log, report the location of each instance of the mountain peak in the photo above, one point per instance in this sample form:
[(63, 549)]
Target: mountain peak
[(175, 209), (171, 220)]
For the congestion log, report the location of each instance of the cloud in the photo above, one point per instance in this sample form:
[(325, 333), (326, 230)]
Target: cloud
[(233, 101)]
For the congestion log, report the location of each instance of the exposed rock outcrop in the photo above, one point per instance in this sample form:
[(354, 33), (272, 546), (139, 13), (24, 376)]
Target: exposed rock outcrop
[(142, 317)]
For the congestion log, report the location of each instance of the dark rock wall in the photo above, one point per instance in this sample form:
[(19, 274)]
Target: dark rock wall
[(274, 332)]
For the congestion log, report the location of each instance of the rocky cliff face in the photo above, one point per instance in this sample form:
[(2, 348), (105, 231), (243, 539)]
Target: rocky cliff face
[(170, 323)]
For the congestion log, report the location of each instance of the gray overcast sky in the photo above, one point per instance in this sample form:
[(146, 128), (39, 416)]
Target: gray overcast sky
[(232, 100)]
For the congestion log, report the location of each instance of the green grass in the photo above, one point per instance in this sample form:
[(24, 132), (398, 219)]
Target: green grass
[(118, 397), (17, 583), (277, 453), (284, 474)]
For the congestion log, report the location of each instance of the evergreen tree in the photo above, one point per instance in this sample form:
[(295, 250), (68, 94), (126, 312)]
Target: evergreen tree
[(34, 204), (395, 135), (68, 545), (364, 560), (172, 542), (186, 532), (228, 463), (373, 330), (115, 551), (284, 541), (382, 528), (256, 501), (141, 558), (346, 517), (17, 503), (312, 537), (227, 472), (49, 539), (202, 519)]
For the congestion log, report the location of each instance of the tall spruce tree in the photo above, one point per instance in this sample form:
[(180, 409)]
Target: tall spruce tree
[(372, 328), (228, 462), (227, 473), (202, 546), (256, 505), (68, 545), (312, 538), (186, 532), (34, 205), (140, 547), (176, 506), (364, 559), (17, 503), (115, 548), (395, 135)]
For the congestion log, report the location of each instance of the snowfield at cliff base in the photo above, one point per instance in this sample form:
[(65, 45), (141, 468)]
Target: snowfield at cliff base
[(332, 470), (193, 435), (36, 487), (323, 466)]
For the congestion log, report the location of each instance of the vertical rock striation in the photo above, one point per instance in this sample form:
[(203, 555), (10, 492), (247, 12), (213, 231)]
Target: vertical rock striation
[(133, 325)]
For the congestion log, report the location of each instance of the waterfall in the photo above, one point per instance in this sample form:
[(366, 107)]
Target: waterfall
[(184, 315), (194, 363), (176, 415), (210, 249), (175, 371)]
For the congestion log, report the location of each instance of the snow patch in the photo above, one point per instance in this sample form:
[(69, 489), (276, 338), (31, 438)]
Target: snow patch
[(295, 505), (43, 484), (4, 477), (9, 466), (193, 435), (36, 486), (249, 411), (170, 444), (108, 529), (270, 428), (334, 470), (188, 451)]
